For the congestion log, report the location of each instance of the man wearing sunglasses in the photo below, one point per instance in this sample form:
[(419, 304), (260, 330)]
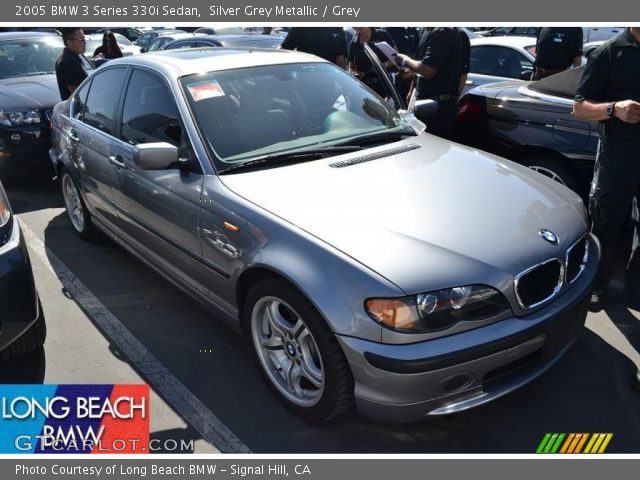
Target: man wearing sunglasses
[(69, 70)]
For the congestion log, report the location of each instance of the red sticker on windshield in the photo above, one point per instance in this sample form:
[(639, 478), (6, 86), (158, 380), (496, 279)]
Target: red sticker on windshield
[(207, 89)]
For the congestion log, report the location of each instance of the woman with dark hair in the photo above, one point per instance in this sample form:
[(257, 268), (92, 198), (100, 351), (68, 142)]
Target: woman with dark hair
[(109, 48)]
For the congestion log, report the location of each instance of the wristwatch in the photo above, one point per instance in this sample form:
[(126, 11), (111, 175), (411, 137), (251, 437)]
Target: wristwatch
[(611, 110)]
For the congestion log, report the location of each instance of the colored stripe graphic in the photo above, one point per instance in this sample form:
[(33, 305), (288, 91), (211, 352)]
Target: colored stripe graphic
[(574, 443)]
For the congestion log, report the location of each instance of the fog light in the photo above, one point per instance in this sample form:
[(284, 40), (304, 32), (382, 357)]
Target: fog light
[(16, 137)]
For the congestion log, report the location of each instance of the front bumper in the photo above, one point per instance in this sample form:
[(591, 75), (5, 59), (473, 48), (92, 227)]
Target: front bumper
[(18, 298), (24, 148), (402, 383)]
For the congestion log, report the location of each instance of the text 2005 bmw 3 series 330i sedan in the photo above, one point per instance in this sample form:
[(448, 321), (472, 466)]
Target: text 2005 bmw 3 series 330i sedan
[(366, 261)]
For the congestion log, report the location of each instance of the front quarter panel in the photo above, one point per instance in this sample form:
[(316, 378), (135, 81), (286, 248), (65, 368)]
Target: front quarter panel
[(336, 284)]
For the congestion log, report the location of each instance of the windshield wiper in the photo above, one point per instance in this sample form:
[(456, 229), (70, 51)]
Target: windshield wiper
[(377, 137), (291, 156)]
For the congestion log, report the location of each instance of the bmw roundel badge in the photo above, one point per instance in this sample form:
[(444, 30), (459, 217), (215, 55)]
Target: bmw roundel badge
[(549, 236)]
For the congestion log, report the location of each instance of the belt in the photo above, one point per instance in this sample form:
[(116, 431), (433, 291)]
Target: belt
[(549, 71), (444, 96)]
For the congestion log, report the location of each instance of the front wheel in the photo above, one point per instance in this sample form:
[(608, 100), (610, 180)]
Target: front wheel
[(297, 352)]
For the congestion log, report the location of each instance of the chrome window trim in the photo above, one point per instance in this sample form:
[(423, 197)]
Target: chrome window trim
[(556, 290), (585, 258)]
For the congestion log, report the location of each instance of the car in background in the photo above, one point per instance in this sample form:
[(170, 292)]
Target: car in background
[(28, 92), (589, 34), (94, 40), (231, 41), (348, 245), (531, 123), (149, 36), (163, 40), (221, 31), (22, 322), (495, 59), (130, 33)]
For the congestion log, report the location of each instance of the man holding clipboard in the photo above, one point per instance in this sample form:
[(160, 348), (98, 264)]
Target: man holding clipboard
[(437, 74)]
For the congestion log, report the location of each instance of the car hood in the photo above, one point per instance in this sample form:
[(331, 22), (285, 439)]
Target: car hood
[(38, 91), (439, 214)]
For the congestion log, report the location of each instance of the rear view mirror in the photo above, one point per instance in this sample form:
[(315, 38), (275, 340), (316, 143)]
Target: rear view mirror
[(155, 156)]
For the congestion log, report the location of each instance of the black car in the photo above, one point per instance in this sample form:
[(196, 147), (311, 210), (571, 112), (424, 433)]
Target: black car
[(238, 41), (22, 324), (28, 92), (531, 123)]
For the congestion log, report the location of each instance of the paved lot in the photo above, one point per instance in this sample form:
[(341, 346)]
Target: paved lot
[(112, 320)]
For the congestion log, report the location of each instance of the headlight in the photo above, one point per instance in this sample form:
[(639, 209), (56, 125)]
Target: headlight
[(5, 218), (15, 118), (439, 310)]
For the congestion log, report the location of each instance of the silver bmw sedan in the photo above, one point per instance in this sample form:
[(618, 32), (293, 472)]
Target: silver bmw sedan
[(366, 261)]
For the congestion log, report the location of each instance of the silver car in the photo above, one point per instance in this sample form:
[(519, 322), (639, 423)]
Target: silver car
[(367, 262)]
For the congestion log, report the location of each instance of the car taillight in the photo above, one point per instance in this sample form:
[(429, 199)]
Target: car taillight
[(468, 110)]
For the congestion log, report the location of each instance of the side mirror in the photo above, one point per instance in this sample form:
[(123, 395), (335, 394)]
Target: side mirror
[(525, 75), (155, 156), (425, 109)]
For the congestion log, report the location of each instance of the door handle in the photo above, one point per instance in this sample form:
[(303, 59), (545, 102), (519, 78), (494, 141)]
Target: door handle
[(117, 161), (74, 136)]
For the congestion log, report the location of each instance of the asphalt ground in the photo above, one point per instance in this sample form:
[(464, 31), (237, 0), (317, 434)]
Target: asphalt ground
[(112, 320)]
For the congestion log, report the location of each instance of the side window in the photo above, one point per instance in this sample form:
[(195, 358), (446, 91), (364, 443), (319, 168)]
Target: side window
[(150, 113), (103, 98), (498, 62), (79, 101)]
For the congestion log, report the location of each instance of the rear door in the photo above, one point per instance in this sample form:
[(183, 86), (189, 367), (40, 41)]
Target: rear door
[(91, 131), (159, 209)]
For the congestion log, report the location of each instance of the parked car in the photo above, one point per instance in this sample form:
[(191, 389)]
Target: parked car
[(495, 59), (94, 40), (28, 92), (589, 34), (366, 261), (221, 31), (163, 40), (149, 36), (242, 41), (129, 33), (22, 323), (531, 123)]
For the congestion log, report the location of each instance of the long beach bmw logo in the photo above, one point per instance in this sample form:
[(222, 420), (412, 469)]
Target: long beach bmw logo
[(549, 236)]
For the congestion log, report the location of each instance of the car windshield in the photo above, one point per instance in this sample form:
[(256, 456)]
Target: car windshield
[(29, 56), (562, 84), (255, 112)]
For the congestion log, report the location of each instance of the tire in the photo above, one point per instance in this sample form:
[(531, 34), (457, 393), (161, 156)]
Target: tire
[(287, 334), (553, 167), (77, 211), (30, 340)]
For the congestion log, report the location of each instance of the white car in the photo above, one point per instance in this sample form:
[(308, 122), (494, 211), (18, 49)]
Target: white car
[(95, 40), (494, 59)]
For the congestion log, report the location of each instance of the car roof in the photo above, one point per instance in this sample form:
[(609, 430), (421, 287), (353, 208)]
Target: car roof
[(198, 60), (25, 35), (513, 42)]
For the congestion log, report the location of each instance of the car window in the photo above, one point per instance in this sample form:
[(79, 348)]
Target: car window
[(499, 62), (173, 46), (132, 34), (79, 101), (103, 97), (249, 112), (26, 57), (149, 113)]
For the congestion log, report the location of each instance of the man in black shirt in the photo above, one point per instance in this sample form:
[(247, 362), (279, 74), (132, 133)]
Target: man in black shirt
[(359, 62), (69, 70), (557, 48), (609, 92), (438, 72), (326, 42), (465, 44)]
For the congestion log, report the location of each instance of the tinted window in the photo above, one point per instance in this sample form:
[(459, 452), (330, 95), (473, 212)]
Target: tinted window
[(498, 61), (79, 100), (149, 113), (29, 56), (103, 97)]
